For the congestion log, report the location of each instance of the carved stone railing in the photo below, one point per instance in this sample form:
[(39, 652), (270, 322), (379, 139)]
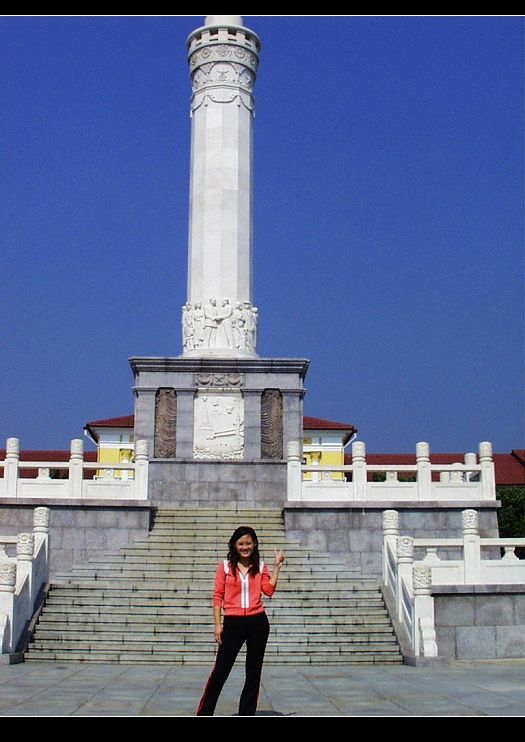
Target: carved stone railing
[(409, 582), (22, 578), (467, 482), (122, 481)]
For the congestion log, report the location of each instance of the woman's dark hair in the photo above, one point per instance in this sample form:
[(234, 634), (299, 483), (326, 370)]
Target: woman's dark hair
[(233, 556)]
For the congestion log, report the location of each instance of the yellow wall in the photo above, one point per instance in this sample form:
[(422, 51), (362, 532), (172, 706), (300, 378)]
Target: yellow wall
[(112, 455), (323, 457)]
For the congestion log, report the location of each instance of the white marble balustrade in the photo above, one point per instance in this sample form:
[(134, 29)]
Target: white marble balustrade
[(120, 482)]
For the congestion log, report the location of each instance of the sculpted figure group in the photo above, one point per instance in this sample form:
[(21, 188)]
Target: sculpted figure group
[(220, 324)]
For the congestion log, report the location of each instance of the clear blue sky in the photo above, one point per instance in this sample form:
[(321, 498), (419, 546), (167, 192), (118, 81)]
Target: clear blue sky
[(389, 219)]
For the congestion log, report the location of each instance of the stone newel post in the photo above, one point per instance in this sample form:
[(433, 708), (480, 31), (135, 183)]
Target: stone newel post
[(390, 535), (423, 626), (142, 450), (7, 597), (12, 458), (294, 475), (471, 547), (424, 472), (488, 476), (76, 469), (359, 476), (405, 559)]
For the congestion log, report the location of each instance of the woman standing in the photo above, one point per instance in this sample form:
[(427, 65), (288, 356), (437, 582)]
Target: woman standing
[(239, 583)]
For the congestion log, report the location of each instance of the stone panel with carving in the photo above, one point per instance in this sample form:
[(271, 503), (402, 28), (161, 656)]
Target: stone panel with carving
[(219, 427), (166, 424), (272, 425)]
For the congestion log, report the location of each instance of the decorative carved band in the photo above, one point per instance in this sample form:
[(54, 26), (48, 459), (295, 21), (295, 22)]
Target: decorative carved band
[(223, 73), (25, 546), (232, 53), (391, 520), (7, 577), (41, 520), (219, 381)]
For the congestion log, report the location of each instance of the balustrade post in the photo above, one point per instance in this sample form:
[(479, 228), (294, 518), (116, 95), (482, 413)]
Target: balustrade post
[(423, 627), (76, 469), (405, 560), (390, 535), (488, 476), (141, 469), (424, 472), (315, 457), (359, 475), (7, 604), (41, 533), (471, 547), (25, 549), (12, 459), (457, 476), (471, 460), (294, 472)]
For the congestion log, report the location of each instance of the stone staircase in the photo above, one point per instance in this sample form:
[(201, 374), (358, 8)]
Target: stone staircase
[(151, 602)]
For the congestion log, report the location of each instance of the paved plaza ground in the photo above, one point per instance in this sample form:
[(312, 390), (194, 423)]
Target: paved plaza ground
[(495, 688)]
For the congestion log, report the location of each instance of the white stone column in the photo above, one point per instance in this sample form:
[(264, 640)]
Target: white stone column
[(470, 460), (424, 632), (141, 469), (488, 476), (390, 535), (7, 605), (219, 319), (76, 469), (471, 547), (424, 472), (294, 472), (12, 458), (24, 556), (405, 561), (41, 518), (359, 473)]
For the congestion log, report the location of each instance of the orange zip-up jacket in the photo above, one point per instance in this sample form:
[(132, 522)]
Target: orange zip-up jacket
[(240, 595)]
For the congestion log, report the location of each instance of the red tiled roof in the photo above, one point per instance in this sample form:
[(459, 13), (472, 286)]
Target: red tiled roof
[(114, 422), (316, 423), (51, 457), (310, 423)]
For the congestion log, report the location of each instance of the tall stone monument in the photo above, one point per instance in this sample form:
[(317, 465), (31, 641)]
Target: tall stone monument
[(219, 418)]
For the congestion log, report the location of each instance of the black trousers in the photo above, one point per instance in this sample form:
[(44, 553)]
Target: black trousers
[(254, 630)]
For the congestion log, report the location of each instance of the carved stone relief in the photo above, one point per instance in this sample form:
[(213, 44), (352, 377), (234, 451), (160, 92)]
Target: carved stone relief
[(219, 427), (25, 546), (272, 425), (219, 381), (219, 324), (166, 424)]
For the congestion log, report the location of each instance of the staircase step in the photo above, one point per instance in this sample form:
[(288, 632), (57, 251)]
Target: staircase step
[(150, 603)]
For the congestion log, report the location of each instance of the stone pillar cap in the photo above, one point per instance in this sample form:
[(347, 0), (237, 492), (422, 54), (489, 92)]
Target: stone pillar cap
[(224, 20)]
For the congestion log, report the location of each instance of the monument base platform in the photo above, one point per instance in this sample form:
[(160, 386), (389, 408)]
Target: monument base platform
[(219, 428), (217, 484)]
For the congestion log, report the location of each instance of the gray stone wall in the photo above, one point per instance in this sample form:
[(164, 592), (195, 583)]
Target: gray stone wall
[(205, 484), (251, 377), (487, 623), (356, 534), (80, 532)]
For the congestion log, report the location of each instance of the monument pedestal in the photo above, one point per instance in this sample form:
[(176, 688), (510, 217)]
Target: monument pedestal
[(218, 428)]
